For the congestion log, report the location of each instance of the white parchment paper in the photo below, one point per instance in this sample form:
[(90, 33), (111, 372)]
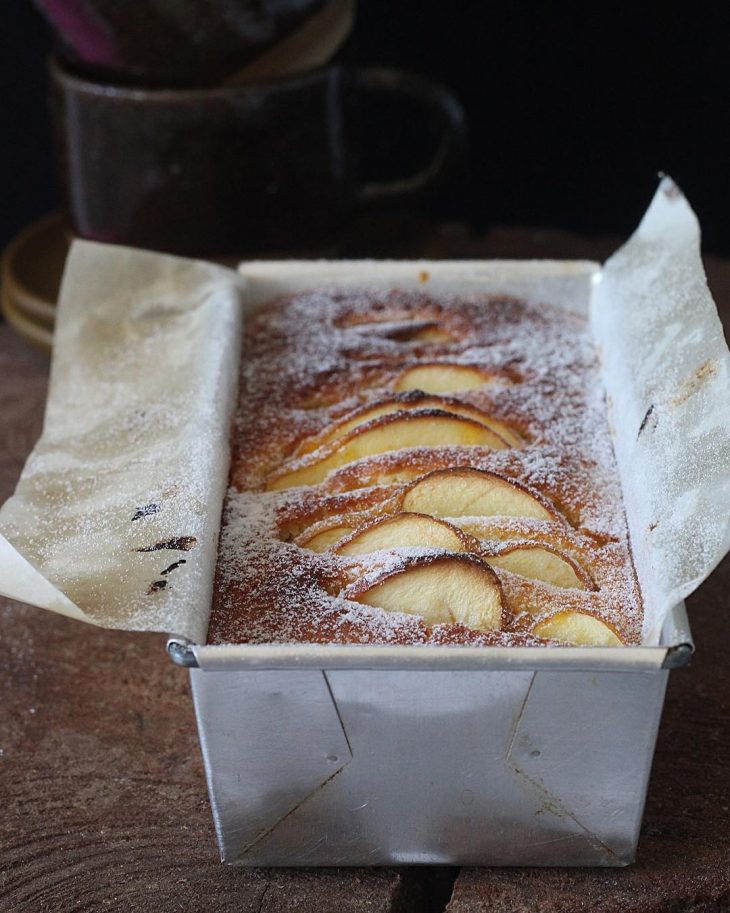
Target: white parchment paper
[(116, 517), (129, 474), (666, 370)]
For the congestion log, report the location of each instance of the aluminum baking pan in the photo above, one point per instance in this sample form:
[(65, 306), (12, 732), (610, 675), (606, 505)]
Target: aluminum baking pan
[(319, 755), (359, 755)]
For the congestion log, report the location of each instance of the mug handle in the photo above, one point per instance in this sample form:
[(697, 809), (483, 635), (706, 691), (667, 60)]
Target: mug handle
[(450, 118)]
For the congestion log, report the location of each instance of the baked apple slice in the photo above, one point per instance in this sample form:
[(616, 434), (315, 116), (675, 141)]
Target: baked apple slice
[(442, 589), (433, 333), (398, 431), (461, 492), (579, 629), (404, 403), (403, 530), (441, 377), (537, 561), (322, 540)]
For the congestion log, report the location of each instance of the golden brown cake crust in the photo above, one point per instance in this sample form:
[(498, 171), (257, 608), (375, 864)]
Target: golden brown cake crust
[(312, 366)]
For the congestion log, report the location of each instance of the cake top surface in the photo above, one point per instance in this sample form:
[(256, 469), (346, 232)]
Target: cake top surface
[(417, 469)]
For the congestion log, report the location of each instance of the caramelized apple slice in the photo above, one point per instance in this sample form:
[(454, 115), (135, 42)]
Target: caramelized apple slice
[(433, 333), (442, 589), (541, 562), (474, 493), (355, 476), (321, 541), (579, 629), (444, 378), (405, 403), (401, 430), (404, 530)]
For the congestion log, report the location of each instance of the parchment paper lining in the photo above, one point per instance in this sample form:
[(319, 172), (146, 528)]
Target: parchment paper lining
[(134, 450), (666, 370)]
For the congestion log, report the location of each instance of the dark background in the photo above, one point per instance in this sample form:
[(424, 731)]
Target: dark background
[(571, 114)]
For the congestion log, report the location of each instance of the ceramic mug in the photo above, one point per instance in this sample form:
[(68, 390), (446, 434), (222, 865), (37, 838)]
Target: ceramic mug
[(234, 170)]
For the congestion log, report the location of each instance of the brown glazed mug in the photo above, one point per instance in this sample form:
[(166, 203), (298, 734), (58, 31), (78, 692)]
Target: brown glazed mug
[(234, 170)]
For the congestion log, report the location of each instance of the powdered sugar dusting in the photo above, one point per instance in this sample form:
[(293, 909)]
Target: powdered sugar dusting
[(313, 357)]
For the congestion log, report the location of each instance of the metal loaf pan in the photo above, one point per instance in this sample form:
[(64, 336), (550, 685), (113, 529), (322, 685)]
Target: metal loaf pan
[(379, 755)]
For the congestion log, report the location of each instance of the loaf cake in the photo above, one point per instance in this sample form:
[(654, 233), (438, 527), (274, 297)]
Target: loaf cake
[(410, 468)]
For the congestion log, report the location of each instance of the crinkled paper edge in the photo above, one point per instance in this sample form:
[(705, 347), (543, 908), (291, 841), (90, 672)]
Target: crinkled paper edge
[(116, 517), (666, 369)]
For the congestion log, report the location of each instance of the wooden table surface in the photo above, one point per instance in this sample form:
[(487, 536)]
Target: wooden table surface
[(102, 795)]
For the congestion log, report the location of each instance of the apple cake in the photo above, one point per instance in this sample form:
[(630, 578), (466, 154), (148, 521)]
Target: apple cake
[(416, 469)]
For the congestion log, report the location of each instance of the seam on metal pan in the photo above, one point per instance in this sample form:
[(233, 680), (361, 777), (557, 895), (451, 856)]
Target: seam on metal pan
[(554, 806), (267, 833), (337, 711), (563, 839), (551, 803), (518, 718)]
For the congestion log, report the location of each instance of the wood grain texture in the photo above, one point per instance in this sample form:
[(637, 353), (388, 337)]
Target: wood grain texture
[(103, 803)]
